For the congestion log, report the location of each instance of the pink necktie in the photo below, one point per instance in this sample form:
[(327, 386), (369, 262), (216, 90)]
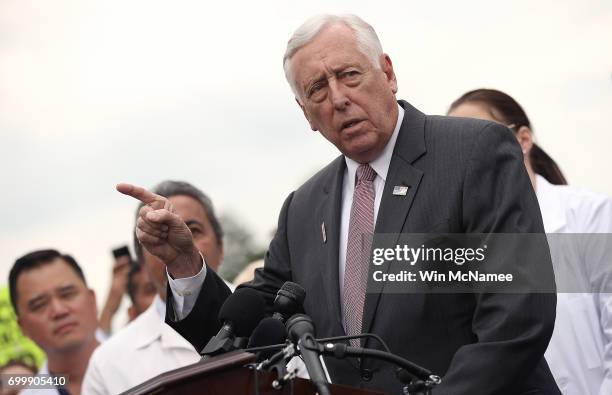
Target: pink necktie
[(361, 228)]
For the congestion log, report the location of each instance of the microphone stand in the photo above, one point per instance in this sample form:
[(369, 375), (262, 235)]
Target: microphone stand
[(278, 363), (418, 388), (285, 354), (215, 347), (424, 383)]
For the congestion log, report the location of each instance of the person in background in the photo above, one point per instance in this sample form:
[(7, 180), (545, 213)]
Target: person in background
[(121, 268), (140, 289), (148, 346), (580, 351), (57, 310), (131, 279)]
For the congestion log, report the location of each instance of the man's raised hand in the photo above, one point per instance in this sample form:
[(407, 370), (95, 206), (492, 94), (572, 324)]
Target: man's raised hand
[(163, 233)]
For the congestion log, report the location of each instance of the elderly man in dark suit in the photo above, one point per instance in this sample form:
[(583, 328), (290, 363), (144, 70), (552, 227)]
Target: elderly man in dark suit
[(400, 172)]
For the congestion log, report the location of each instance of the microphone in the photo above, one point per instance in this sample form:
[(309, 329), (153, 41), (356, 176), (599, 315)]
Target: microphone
[(270, 334), (289, 300), (269, 331), (240, 313), (302, 333)]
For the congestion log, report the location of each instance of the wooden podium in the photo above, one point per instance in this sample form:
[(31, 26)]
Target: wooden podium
[(228, 374)]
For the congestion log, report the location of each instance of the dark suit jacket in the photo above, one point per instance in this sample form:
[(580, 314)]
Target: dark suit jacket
[(464, 176)]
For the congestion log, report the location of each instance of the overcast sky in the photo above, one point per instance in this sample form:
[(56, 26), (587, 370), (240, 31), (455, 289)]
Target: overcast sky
[(96, 92)]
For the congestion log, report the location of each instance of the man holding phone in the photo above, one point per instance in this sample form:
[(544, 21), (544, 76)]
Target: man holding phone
[(121, 268)]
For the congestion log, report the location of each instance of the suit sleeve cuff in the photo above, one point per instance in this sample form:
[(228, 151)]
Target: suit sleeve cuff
[(185, 290)]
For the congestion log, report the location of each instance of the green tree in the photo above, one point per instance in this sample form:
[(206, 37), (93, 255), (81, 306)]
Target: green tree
[(13, 343)]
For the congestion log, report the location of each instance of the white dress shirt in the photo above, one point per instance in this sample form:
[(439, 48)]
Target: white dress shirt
[(142, 350), (185, 291), (580, 351), (44, 369)]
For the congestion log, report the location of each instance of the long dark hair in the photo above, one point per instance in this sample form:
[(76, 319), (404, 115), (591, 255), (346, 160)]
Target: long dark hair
[(505, 109)]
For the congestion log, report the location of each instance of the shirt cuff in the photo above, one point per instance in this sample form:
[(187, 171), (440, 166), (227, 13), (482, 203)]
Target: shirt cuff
[(185, 291)]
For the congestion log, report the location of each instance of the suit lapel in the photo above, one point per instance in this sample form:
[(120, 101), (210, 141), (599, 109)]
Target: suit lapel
[(328, 217), (393, 210)]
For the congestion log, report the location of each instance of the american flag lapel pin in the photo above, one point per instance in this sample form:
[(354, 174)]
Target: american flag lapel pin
[(400, 190), (323, 233)]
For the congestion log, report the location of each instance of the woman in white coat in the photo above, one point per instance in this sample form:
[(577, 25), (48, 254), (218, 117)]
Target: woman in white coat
[(580, 351)]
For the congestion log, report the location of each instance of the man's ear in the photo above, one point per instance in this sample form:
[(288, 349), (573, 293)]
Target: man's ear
[(525, 139), (314, 129), (387, 67)]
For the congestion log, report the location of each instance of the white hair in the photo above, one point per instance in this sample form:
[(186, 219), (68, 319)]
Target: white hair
[(367, 40)]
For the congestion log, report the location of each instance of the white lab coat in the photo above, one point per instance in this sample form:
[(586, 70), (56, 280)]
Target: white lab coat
[(580, 351), (140, 351)]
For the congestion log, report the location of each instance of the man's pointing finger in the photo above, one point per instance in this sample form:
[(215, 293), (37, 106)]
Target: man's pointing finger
[(140, 193)]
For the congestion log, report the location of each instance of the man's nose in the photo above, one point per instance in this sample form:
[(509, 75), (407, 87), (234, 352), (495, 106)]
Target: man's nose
[(338, 95), (58, 308)]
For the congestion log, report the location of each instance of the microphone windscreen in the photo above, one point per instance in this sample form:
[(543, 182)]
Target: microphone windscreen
[(269, 331), (244, 309), (298, 326), (295, 290), (289, 300)]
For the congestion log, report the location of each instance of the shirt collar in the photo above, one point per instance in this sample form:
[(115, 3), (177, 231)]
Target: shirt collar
[(150, 323), (381, 163), (155, 329)]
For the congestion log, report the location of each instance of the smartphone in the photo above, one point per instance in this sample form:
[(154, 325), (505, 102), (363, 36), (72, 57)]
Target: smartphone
[(123, 251)]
